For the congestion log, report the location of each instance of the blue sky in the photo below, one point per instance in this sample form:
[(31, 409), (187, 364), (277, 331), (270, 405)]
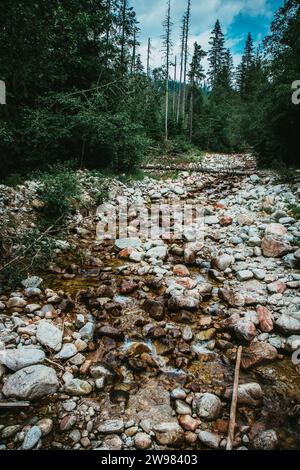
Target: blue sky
[(237, 17)]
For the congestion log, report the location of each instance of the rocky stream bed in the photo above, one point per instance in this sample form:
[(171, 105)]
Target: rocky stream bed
[(135, 347)]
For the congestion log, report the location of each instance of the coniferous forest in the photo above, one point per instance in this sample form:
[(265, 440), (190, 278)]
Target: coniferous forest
[(78, 90)]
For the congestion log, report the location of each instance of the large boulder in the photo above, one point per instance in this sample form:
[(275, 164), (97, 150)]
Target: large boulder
[(265, 318), (250, 394), (289, 322), (242, 327), (31, 383), (16, 359), (233, 298), (183, 302), (49, 335), (276, 229), (222, 262), (274, 247), (257, 354)]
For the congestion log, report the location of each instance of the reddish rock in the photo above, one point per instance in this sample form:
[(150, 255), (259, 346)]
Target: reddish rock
[(124, 254), (128, 287), (190, 437), (225, 221), (277, 287), (188, 423), (266, 321), (276, 229), (234, 299), (257, 354), (221, 426), (181, 270), (274, 247), (219, 205), (243, 328), (84, 369), (187, 283)]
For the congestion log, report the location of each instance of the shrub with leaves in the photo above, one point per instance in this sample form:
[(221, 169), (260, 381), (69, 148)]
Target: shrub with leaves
[(59, 191)]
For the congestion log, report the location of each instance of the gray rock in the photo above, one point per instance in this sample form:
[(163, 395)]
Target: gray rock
[(32, 282), (178, 394), (78, 388), (182, 408), (31, 383), (49, 335), (245, 275), (158, 252), (267, 440), (183, 302), (112, 426), (87, 331), (289, 322), (210, 440), (32, 438), (16, 302), (293, 343), (123, 243), (207, 406), (68, 350), (248, 394), (16, 359)]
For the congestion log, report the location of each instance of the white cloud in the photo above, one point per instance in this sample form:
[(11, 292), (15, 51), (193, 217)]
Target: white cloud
[(204, 14)]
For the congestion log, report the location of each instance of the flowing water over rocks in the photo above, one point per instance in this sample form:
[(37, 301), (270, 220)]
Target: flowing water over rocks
[(136, 347)]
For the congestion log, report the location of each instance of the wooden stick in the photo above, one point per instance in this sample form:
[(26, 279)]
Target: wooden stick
[(234, 401)]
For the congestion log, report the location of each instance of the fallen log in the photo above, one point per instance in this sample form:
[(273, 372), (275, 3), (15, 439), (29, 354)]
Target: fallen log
[(234, 401), (229, 171)]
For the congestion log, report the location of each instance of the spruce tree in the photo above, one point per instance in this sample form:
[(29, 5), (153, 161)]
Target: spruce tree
[(196, 75), (245, 69), (216, 56), (167, 45)]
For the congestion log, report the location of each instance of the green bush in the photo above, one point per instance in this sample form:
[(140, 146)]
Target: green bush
[(59, 191)]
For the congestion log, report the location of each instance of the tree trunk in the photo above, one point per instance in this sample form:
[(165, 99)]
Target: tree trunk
[(181, 71), (188, 14), (148, 57), (191, 115), (175, 87)]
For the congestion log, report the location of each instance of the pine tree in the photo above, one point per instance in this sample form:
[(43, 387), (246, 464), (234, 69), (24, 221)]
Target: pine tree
[(216, 56), (183, 28), (245, 69), (187, 30), (196, 75), (228, 70), (123, 34), (167, 45)]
